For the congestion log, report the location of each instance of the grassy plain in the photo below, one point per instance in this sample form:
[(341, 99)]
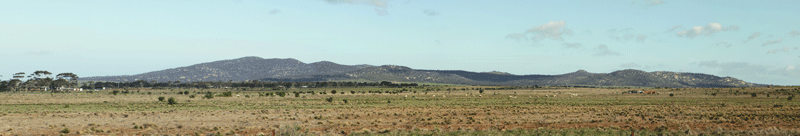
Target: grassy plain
[(462, 110)]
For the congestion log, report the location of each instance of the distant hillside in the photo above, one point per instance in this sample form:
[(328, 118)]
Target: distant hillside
[(255, 68), (246, 68)]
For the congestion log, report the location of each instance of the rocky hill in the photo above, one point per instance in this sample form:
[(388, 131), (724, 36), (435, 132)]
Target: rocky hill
[(255, 68), (246, 68)]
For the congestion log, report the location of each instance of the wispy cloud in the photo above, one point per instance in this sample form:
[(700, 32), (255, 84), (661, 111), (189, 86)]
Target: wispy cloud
[(553, 30), (673, 28), (641, 38), (726, 44), (381, 12), (629, 65), (752, 36), (655, 2), (784, 49), (571, 45), (274, 11), (380, 5), (737, 67), (376, 3), (707, 30), (602, 50), (772, 42), (430, 12), (794, 33)]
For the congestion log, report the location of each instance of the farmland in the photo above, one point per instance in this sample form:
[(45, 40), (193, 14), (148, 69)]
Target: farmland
[(439, 110)]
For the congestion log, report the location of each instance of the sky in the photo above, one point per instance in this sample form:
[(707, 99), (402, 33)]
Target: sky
[(756, 41)]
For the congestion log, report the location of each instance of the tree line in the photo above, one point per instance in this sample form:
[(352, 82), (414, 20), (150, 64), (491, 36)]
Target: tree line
[(39, 80)]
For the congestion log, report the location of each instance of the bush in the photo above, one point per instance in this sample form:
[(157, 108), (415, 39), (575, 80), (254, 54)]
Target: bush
[(171, 101), (281, 94), (161, 98), (345, 101), (352, 92), (790, 98), (208, 95), (329, 99), (115, 92), (670, 95), (65, 130), (191, 96), (296, 94), (186, 92), (480, 91), (227, 94), (753, 95), (333, 91)]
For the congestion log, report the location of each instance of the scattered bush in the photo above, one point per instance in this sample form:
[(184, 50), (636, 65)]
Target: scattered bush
[(161, 98), (281, 94), (171, 101), (208, 95), (227, 94)]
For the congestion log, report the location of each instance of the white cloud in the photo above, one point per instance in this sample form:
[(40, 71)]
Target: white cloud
[(571, 45), (430, 12), (790, 67), (737, 67), (625, 35), (794, 33), (784, 49), (772, 42), (602, 50), (707, 30), (553, 30), (726, 44), (752, 36)]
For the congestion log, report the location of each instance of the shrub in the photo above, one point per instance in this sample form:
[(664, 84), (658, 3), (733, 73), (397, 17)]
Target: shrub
[(329, 99), (208, 95), (345, 101), (227, 94), (296, 94), (753, 95), (191, 96), (115, 92), (281, 94), (171, 101), (480, 91), (352, 92), (161, 98), (670, 95), (333, 91), (790, 98), (65, 130), (178, 92), (186, 92)]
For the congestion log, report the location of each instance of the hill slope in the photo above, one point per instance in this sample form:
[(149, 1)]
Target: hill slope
[(246, 68), (255, 68)]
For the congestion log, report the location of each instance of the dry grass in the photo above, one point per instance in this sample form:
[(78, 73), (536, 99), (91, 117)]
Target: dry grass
[(580, 111)]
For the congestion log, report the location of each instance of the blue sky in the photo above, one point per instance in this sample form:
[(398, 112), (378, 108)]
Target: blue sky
[(756, 41)]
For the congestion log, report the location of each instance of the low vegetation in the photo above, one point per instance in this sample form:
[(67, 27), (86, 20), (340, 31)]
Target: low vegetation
[(422, 110)]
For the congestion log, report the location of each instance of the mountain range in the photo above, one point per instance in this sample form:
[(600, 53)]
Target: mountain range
[(256, 68)]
